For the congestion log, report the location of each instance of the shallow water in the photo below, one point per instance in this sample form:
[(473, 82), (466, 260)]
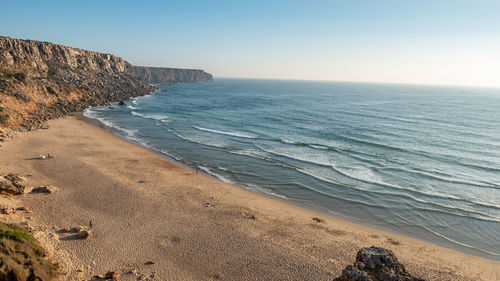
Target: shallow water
[(423, 161)]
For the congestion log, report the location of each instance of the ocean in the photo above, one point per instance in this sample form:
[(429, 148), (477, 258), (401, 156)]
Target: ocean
[(422, 161)]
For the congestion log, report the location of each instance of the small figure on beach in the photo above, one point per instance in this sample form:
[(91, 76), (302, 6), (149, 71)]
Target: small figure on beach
[(91, 224)]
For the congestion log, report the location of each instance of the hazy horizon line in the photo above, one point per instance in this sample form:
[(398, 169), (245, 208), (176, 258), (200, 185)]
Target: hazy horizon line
[(496, 87)]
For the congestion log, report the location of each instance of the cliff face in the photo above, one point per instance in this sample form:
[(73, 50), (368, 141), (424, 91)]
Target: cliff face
[(170, 75), (41, 81), (35, 57)]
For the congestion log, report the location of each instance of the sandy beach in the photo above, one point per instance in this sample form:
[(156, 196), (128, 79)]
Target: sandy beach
[(150, 219)]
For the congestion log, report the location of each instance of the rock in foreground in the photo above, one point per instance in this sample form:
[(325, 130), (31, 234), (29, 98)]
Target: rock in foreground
[(47, 189), (376, 264)]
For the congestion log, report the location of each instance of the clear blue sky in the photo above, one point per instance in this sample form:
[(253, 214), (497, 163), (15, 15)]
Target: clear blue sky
[(443, 42)]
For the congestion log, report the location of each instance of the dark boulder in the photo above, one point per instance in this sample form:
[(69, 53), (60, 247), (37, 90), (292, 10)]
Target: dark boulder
[(376, 264)]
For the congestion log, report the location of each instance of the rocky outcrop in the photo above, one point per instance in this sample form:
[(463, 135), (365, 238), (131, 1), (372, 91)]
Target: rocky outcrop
[(41, 81), (170, 75), (12, 185), (376, 264)]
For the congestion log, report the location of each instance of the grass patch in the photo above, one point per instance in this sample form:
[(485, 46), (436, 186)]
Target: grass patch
[(16, 234), (21, 257)]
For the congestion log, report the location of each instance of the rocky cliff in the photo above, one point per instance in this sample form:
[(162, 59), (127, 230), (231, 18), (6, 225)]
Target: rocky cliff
[(41, 81), (170, 75)]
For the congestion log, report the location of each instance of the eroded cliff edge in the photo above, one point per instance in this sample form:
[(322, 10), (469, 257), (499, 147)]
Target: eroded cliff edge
[(170, 75), (41, 81)]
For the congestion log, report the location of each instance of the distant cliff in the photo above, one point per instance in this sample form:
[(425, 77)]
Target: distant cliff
[(41, 81), (170, 75)]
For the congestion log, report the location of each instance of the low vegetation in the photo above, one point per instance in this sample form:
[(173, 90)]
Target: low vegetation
[(5, 74), (3, 116), (22, 258), (52, 71)]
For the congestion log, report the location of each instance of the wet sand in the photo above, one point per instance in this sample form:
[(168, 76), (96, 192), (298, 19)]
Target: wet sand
[(240, 236)]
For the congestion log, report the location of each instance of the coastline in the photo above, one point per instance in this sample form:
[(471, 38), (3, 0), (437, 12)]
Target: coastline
[(97, 174)]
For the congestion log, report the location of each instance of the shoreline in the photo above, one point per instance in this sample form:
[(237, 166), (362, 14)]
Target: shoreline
[(97, 176), (445, 241)]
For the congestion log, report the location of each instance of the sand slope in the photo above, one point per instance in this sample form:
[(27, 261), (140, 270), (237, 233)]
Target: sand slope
[(164, 220)]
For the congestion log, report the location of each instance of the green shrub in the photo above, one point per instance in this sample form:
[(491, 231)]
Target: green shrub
[(52, 72), (21, 257), (16, 234), (5, 74), (20, 76)]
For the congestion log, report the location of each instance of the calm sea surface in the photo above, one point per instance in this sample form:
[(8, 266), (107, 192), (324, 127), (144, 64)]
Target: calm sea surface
[(423, 161)]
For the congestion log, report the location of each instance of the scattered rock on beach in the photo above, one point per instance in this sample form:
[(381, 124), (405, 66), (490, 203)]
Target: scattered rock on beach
[(11, 210), (132, 271), (22, 209), (15, 178), (376, 264), (65, 230), (3, 135), (72, 229), (112, 275), (317, 219), (47, 189), (11, 185), (11, 190), (393, 242), (84, 234), (7, 211)]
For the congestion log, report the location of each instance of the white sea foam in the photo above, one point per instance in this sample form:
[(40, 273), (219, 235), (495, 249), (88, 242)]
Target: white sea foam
[(265, 190), (132, 107), (212, 173), (471, 212), (460, 181), (159, 117), (318, 146), (169, 154), (234, 134), (286, 141), (130, 133), (252, 153), (318, 159), (197, 140), (359, 174)]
